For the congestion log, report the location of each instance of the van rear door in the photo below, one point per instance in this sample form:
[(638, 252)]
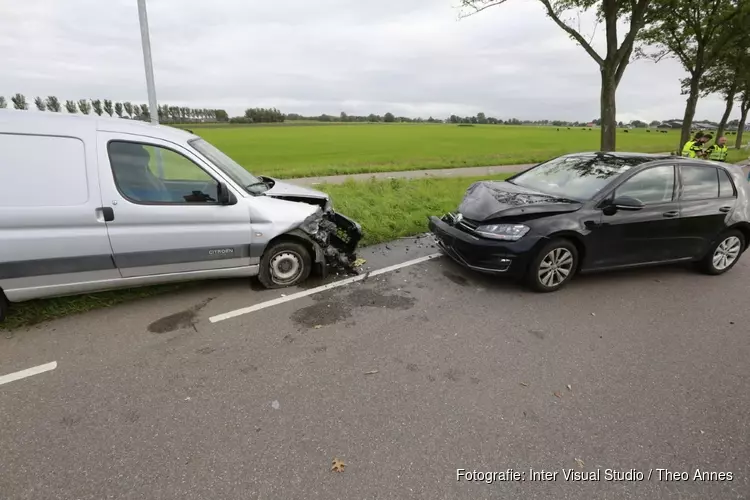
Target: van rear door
[(53, 238), (166, 218)]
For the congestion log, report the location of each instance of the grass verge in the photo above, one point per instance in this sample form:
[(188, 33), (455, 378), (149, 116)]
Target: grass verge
[(386, 209)]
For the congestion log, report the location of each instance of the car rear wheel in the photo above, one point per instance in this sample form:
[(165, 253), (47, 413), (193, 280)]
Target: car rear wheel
[(553, 266), (724, 254), (284, 264)]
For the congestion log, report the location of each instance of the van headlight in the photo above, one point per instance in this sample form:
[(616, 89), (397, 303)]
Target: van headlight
[(506, 232)]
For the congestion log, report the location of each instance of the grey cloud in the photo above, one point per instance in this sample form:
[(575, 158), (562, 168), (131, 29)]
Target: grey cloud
[(410, 57)]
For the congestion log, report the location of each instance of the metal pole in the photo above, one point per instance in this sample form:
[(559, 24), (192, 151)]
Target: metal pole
[(146, 41)]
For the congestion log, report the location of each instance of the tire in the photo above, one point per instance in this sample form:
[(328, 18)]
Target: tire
[(566, 254), (277, 266), (724, 254), (3, 307)]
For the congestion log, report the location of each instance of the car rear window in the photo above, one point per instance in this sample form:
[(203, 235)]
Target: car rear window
[(699, 183), (726, 187)]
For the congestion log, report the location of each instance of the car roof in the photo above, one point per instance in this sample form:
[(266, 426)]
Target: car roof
[(46, 122), (627, 155)]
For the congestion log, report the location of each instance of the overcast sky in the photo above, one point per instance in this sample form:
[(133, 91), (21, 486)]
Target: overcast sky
[(410, 57)]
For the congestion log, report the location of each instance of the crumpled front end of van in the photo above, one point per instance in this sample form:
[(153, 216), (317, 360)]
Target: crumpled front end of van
[(336, 237)]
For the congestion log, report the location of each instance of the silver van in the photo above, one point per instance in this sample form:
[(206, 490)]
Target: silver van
[(90, 204)]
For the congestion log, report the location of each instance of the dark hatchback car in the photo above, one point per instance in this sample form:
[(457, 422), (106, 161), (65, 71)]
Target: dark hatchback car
[(600, 211)]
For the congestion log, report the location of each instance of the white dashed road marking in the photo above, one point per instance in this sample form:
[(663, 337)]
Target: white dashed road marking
[(29, 372), (322, 288)]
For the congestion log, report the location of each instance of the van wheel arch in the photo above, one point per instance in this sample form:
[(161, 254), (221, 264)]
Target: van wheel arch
[(4, 305)]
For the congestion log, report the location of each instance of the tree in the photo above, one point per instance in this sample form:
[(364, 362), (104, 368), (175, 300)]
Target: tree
[(96, 104), (617, 53), (145, 114), (638, 124), (19, 101), (128, 107), (389, 118), (221, 115), (744, 88), (71, 106), (53, 104), (40, 104), (136, 111), (84, 106), (481, 118), (118, 109), (3, 102), (108, 107), (695, 33), (654, 124)]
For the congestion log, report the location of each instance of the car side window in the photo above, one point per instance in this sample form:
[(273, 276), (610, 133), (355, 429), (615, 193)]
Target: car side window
[(699, 183), (651, 186), (726, 187), (149, 174)]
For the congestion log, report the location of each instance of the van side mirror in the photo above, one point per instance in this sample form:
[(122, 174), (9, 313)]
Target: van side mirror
[(226, 197)]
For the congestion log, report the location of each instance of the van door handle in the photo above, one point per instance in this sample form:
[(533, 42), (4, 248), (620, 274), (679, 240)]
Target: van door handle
[(671, 214), (107, 213), (725, 209)]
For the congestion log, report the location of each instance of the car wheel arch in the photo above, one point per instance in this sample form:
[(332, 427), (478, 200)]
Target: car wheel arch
[(744, 228)]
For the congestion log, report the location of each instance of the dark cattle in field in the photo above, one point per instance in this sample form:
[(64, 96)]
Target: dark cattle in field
[(627, 131), (583, 129), (648, 131), (568, 128), (558, 130)]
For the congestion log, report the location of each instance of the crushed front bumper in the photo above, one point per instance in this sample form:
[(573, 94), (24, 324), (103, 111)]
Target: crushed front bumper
[(482, 254), (335, 237)]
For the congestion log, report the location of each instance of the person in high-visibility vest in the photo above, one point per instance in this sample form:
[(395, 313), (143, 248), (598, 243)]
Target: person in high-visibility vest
[(719, 151), (694, 148)]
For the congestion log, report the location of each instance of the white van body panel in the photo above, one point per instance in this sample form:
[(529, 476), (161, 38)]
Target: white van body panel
[(68, 226)]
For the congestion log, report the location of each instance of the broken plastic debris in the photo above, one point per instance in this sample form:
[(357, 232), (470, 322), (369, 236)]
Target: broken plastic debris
[(569, 387), (524, 384), (580, 463), (337, 465), (318, 327), (275, 405), (373, 372), (593, 314), (359, 262), (557, 395)]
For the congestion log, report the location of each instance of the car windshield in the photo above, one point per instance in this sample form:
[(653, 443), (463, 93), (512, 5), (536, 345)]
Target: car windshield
[(577, 177), (231, 168)]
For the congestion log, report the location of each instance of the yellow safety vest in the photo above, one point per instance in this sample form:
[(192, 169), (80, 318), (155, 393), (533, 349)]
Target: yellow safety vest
[(718, 153), (689, 149)]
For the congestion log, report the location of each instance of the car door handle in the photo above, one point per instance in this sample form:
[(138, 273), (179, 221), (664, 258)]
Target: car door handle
[(725, 209), (108, 214), (671, 214)]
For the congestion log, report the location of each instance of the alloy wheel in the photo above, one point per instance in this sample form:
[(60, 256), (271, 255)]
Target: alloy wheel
[(555, 267), (726, 253)]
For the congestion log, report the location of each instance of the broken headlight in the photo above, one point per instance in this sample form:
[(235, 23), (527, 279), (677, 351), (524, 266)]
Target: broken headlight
[(506, 232)]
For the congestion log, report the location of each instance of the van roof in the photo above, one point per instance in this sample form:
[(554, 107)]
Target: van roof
[(30, 122)]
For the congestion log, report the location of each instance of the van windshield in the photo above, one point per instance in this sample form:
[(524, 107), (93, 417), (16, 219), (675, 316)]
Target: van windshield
[(231, 168)]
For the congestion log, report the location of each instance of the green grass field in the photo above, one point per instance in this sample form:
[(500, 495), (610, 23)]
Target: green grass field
[(287, 152)]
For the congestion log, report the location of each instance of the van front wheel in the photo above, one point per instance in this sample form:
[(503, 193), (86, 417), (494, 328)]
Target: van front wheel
[(284, 264)]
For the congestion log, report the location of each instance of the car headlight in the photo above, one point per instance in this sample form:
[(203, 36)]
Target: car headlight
[(507, 232)]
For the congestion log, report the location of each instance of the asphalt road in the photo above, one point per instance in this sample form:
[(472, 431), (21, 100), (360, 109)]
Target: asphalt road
[(406, 377)]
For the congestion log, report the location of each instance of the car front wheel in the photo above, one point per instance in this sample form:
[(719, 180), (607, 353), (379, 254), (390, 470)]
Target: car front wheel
[(724, 254), (284, 264), (553, 266)]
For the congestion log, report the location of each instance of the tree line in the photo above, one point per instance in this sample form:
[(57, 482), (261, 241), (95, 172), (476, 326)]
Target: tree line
[(710, 39), (166, 113)]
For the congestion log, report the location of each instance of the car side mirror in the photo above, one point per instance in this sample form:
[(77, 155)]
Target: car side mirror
[(225, 196), (626, 203)]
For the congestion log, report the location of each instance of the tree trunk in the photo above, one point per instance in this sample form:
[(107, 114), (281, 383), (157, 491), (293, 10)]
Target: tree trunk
[(692, 103), (729, 99), (608, 110), (743, 118)]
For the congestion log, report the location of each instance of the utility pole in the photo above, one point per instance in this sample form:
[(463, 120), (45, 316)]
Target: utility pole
[(146, 41)]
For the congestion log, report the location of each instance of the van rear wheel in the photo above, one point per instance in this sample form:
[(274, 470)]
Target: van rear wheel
[(284, 264), (3, 307)]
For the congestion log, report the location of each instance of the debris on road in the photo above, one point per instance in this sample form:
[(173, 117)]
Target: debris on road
[(275, 405), (524, 384), (373, 372), (359, 262), (557, 395), (569, 387), (337, 465), (593, 314), (580, 463)]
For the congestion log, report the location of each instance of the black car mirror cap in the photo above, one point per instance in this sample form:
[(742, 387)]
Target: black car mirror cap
[(627, 203)]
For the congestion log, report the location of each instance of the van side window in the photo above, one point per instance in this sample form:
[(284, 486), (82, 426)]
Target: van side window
[(151, 174)]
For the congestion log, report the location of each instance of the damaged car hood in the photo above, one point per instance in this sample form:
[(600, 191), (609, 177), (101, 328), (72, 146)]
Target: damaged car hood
[(487, 200), (292, 192)]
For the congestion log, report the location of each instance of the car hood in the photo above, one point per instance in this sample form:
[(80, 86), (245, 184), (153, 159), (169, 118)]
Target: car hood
[(281, 189), (487, 200)]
